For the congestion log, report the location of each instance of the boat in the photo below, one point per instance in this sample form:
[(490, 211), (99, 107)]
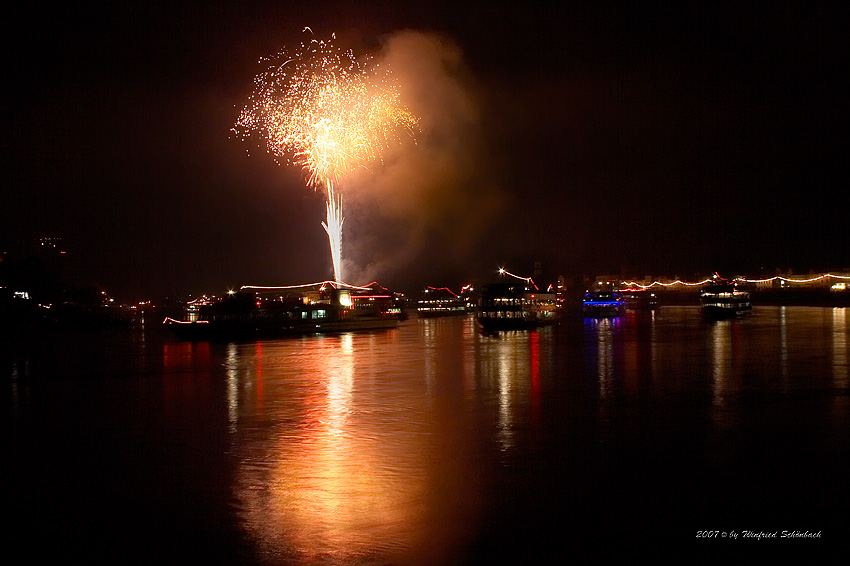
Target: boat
[(640, 299), (515, 306), (603, 303), (258, 315), (437, 302), (724, 300)]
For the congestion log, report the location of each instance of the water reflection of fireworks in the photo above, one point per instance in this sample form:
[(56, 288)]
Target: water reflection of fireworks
[(321, 109)]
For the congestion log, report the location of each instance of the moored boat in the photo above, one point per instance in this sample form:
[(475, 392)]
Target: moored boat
[(640, 299), (515, 306), (252, 315), (603, 303), (724, 300), (436, 302)]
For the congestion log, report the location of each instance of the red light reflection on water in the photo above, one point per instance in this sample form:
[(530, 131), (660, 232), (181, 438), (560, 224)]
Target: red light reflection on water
[(184, 355), (534, 346), (186, 368)]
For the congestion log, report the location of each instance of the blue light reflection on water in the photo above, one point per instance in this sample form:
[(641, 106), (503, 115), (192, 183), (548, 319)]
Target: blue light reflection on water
[(435, 443)]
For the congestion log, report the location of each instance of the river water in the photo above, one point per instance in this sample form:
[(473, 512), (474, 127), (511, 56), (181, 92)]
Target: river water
[(434, 443)]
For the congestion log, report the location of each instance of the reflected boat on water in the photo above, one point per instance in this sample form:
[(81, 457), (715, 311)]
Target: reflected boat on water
[(515, 306), (603, 303), (436, 302), (254, 315), (723, 300), (640, 300)]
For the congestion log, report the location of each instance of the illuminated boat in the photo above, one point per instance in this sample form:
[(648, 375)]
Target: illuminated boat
[(437, 302), (603, 303), (640, 299), (252, 315), (515, 306), (724, 300)]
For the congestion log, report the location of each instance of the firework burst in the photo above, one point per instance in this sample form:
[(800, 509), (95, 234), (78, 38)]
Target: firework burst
[(324, 111)]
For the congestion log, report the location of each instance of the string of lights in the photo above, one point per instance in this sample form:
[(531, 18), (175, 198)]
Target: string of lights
[(741, 280), (335, 284), (659, 283), (529, 280), (789, 280), (442, 289)]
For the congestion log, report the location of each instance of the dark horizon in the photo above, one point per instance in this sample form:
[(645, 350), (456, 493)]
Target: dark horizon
[(590, 137)]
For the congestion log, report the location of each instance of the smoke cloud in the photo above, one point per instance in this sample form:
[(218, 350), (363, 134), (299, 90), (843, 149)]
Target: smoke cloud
[(424, 208)]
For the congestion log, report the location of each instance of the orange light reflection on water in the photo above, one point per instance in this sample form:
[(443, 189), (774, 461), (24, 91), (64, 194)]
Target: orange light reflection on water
[(322, 477)]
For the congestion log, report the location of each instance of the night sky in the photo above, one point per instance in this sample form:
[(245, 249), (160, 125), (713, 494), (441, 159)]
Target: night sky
[(593, 137)]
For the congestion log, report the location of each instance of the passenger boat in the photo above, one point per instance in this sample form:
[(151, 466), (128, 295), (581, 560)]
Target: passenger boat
[(253, 315), (603, 303), (436, 302), (515, 306), (724, 300), (640, 299)]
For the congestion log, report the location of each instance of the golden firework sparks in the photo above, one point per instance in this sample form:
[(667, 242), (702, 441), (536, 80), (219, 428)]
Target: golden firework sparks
[(321, 109)]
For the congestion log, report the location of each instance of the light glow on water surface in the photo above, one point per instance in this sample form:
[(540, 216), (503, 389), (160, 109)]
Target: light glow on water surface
[(432, 443), (393, 446), (337, 465)]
